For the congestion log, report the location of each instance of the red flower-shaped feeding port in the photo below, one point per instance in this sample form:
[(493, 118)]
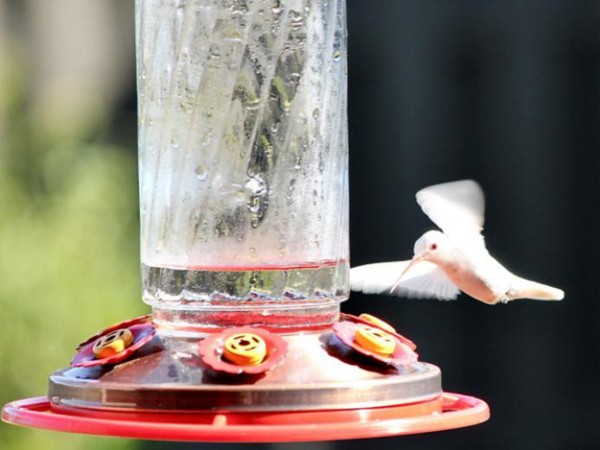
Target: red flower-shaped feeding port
[(115, 343), (375, 342), (372, 321), (243, 350)]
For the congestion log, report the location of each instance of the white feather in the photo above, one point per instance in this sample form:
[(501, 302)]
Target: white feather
[(423, 280), (457, 208)]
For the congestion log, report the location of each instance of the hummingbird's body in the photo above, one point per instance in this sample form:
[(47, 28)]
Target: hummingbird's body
[(452, 261), (468, 277)]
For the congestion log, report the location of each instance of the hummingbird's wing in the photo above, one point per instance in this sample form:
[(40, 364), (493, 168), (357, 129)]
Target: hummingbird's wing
[(457, 208), (423, 280)]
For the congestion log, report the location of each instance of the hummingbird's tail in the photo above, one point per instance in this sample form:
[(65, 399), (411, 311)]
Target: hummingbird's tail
[(535, 291)]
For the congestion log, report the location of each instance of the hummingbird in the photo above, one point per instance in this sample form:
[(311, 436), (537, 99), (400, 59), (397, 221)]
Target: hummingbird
[(451, 260)]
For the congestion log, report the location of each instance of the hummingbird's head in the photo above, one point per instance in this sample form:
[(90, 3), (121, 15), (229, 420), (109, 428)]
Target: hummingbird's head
[(432, 246)]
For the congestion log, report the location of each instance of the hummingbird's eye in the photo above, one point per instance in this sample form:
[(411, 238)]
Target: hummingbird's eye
[(433, 246)]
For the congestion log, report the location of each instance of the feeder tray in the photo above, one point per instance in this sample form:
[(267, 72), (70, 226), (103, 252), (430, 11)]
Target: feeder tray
[(311, 386), (457, 411)]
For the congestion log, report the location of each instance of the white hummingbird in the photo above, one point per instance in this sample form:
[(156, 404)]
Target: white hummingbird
[(451, 261)]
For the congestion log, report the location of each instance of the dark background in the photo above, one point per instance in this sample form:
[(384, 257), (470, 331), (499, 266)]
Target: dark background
[(506, 93)]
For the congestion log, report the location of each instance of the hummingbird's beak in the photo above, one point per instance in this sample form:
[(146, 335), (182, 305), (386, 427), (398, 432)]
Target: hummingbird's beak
[(416, 259)]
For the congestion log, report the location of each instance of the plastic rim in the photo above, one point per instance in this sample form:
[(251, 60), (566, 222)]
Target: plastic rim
[(457, 411)]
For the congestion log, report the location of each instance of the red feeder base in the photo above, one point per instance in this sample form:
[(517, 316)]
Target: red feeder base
[(445, 413), (316, 385)]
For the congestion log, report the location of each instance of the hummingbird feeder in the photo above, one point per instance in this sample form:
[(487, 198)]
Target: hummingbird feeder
[(243, 158)]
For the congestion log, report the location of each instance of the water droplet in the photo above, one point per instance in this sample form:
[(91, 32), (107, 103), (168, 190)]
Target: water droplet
[(240, 6), (256, 185), (240, 197), (201, 172), (207, 138), (296, 20), (276, 6), (254, 204), (336, 55), (215, 52), (174, 142)]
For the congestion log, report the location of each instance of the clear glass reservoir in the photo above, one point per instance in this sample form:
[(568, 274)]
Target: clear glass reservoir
[(243, 156)]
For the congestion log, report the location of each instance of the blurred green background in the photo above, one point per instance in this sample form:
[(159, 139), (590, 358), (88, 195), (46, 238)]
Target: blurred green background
[(69, 261)]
